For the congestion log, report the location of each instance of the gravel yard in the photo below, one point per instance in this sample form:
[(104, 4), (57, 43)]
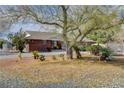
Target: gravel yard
[(83, 73)]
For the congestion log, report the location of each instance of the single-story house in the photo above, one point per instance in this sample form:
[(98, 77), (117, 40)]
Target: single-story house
[(46, 41), (43, 41)]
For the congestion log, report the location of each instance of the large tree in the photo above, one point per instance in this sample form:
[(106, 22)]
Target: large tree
[(101, 20)]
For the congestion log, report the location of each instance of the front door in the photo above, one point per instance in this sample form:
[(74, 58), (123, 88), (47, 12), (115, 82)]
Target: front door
[(56, 45)]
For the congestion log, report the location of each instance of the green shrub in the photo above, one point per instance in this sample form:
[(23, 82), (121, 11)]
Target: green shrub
[(35, 54), (42, 57), (95, 49), (82, 48), (105, 54)]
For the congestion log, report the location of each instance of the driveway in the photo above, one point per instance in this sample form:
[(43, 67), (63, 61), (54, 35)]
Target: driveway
[(14, 55)]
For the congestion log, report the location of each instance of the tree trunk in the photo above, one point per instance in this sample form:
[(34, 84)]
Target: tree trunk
[(68, 48), (69, 53), (78, 54)]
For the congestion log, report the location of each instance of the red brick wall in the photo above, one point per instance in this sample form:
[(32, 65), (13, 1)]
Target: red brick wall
[(39, 45)]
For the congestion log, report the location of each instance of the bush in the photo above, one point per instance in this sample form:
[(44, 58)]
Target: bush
[(82, 48), (42, 57), (35, 54), (95, 49), (105, 54)]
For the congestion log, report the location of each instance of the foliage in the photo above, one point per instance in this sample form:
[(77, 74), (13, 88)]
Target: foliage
[(42, 57), (95, 49), (35, 54), (18, 40), (105, 54), (104, 36), (82, 48), (1, 44)]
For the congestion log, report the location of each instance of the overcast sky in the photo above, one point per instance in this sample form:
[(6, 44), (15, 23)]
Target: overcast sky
[(32, 27)]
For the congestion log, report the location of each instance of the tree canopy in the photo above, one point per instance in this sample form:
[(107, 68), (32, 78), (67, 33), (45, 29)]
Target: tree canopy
[(18, 40)]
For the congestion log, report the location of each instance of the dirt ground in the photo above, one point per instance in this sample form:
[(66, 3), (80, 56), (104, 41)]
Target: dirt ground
[(12, 62), (87, 72), (25, 60)]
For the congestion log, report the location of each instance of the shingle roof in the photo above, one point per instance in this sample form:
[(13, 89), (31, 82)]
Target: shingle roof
[(43, 35), (48, 36)]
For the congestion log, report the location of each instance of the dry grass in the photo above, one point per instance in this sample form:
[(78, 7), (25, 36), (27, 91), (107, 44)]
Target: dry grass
[(58, 73)]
